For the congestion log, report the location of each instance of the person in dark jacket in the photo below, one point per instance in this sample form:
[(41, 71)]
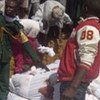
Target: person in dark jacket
[(9, 29)]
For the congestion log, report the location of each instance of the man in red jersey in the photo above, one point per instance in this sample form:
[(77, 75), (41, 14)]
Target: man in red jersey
[(80, 60)]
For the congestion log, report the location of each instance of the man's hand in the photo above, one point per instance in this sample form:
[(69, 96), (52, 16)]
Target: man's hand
[(47, 92), (39, 64), (68, 94)]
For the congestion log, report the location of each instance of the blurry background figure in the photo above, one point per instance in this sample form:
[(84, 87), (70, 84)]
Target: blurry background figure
[(74, 8), (33, 7), (28, 8), (52, 14), (2, 5), (25, 3), (23, 9)]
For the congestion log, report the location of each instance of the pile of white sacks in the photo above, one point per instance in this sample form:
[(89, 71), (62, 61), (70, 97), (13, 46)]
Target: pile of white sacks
[(93, 92), (25, 86)]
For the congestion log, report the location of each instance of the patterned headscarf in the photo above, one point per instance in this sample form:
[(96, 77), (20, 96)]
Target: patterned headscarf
[(57, 12)]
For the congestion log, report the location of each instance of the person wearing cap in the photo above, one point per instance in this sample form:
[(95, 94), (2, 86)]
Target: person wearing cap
[(51, 13)]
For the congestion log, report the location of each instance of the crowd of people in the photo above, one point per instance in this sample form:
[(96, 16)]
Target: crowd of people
[(79, 64)]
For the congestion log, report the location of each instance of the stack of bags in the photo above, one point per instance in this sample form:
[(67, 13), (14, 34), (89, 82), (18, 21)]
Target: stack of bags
[(27, 85)]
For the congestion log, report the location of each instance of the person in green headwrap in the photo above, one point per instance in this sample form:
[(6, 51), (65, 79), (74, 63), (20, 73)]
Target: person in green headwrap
[(9, 29)]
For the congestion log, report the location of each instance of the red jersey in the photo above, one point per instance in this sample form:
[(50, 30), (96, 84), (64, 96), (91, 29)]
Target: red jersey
[(82, 48)]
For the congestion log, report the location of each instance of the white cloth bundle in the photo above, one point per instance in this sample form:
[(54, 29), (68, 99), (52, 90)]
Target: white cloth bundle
[(94, 87), (31, 27), (13, 96), (47, 50), (27, 86)]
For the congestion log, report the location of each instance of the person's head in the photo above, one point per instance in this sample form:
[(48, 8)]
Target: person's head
[(93, 7), (57, 12), (11, 7)]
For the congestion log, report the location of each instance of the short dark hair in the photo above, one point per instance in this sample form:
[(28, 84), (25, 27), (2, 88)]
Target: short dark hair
[(16, 1), (94, 7)]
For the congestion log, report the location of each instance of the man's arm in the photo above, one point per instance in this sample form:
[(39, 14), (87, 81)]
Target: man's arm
[(80, 73), (70, 92), (27, 46)]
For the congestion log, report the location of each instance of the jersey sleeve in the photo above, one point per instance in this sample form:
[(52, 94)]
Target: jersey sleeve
[(88, 38)]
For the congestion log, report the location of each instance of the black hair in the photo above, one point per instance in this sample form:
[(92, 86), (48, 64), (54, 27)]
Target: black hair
[(17, 2), (93, 6)]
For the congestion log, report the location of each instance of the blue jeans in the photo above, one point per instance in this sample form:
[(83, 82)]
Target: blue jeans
[(80, 95)]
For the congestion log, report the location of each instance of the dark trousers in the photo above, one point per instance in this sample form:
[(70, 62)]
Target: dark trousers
[(80, 95), (4, 80)]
